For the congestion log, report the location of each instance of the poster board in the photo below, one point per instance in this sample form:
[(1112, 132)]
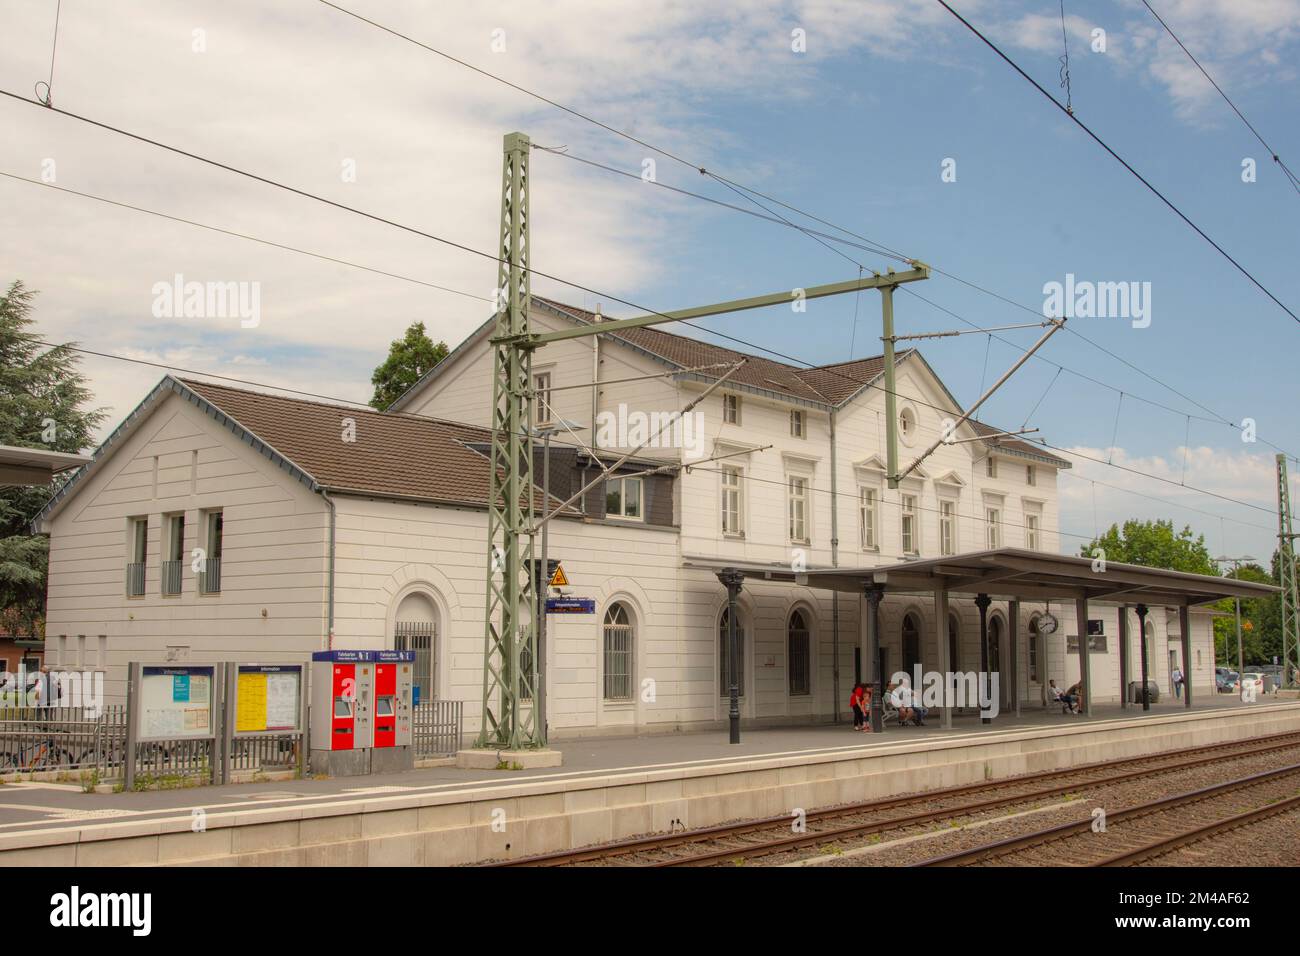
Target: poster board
[(268, 698), (176, 702)]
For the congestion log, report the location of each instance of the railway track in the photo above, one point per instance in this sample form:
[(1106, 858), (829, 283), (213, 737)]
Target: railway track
[(762, 837), (1146, 830)]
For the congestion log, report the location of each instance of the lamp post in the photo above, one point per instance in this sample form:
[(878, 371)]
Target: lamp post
[(1236, 572), (545, 433)]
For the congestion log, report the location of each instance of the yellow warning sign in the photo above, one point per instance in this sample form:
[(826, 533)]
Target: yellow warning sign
[(558, 579)]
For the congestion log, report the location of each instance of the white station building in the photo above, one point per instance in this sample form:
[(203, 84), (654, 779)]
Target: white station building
[(327, 526)]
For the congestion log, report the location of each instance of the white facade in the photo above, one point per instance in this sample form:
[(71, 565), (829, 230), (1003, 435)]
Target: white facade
[(402, 562)]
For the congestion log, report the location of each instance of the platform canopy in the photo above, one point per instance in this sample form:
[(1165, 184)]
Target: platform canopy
[(1014, 574), (34, 466)]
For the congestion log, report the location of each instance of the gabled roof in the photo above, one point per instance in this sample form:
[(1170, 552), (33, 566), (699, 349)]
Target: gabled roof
[(391, 455), (825, 386)]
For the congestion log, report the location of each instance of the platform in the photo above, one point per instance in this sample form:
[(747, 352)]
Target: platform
[(608, 788)]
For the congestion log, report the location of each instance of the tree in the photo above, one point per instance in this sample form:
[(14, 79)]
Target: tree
[(409, 359), (43, 396), (1154, 544)]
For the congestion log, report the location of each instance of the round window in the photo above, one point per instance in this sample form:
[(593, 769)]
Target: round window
[(907, 426)]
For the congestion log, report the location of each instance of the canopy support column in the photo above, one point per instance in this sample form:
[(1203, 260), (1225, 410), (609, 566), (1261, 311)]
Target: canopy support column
[(874, 594), (1085, 673), (1013, 625), (945, 665), (732, 580)]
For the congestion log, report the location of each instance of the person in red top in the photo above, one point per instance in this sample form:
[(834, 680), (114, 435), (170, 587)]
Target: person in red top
[(856, 700)]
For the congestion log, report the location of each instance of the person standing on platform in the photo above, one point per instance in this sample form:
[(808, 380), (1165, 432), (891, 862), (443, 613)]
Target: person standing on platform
[(1177, 678), (855, 701)]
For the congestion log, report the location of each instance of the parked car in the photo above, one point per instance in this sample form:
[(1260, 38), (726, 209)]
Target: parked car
[(1253, 679), (1226, 681)]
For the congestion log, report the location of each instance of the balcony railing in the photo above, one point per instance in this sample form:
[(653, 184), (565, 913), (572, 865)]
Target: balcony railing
[(210, 576), (135, 579), (171, 577)]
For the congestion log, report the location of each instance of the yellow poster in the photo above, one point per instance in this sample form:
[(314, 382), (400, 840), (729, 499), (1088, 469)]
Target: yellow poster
[(250, 715)]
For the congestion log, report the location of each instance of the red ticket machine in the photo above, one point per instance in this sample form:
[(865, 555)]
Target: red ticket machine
[(394, 690), (342, 712)]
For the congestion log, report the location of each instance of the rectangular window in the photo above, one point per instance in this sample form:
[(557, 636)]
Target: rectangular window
[(992, 466), (947, 527), (1031, 475), (994, 520), (798, 508), (731, 409), (542, 390), (213, 534), (732, 501), (869, 518), (911, 544), (138, 540), (797, 424), (623, 498), (1031, 532), (173, 554)]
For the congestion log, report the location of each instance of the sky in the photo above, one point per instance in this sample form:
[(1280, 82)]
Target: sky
[(886, 118)]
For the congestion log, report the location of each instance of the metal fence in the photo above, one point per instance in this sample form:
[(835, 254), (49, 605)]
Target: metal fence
[(438, 727), (35, 739)]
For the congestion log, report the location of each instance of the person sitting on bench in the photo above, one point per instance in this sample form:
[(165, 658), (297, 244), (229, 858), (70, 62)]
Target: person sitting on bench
[(908, 709), (1069, 702)]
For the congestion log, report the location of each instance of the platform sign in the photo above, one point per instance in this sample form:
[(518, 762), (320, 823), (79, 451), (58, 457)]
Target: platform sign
[(570, 606), (268, 698), (175, 702)]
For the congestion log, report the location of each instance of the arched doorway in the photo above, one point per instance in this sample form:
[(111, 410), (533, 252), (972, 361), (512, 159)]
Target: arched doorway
[(415, 628), (911, 643), (724, 654), (954, 643), (995, 657)]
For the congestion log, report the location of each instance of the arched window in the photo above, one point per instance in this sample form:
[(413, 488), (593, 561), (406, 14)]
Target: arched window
[(724, 658), (619, 635), (798, 651), (416, 629)]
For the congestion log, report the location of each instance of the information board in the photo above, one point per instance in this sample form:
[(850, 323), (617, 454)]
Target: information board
[(268, 697), (175, 702)]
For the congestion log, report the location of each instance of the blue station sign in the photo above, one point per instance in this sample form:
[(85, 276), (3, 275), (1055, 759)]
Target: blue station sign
[(567, 605)]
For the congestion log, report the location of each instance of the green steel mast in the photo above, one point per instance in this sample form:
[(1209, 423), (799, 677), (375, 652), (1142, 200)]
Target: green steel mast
[(1287, 578), (510, 634)]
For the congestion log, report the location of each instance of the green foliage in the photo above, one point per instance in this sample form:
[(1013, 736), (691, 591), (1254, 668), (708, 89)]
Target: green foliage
[(1261, 623), (409, 359), (1154, 544), (42, 405)]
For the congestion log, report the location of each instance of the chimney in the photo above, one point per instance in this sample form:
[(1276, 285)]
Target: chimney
[(599, 317)]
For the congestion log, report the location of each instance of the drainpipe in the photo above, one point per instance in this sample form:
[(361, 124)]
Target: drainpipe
[(835, 595), (333, 526)]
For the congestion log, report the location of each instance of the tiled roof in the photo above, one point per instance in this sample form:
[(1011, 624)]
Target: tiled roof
[(408, 456), (832, 384)]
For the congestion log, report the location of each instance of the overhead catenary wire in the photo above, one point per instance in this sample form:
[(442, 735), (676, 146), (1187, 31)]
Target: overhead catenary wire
[(242, 235), (413, 230), (701, 169), (1123, 162), (1286, 171)]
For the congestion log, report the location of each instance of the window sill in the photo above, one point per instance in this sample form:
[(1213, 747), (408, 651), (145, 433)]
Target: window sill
[(619, 704), (734, 535)]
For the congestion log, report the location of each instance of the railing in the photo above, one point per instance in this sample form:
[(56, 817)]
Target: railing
[(34, 739), (275, 752), (171, 577), (210, 576), (163, 764), (135, 579), (438, 727)]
